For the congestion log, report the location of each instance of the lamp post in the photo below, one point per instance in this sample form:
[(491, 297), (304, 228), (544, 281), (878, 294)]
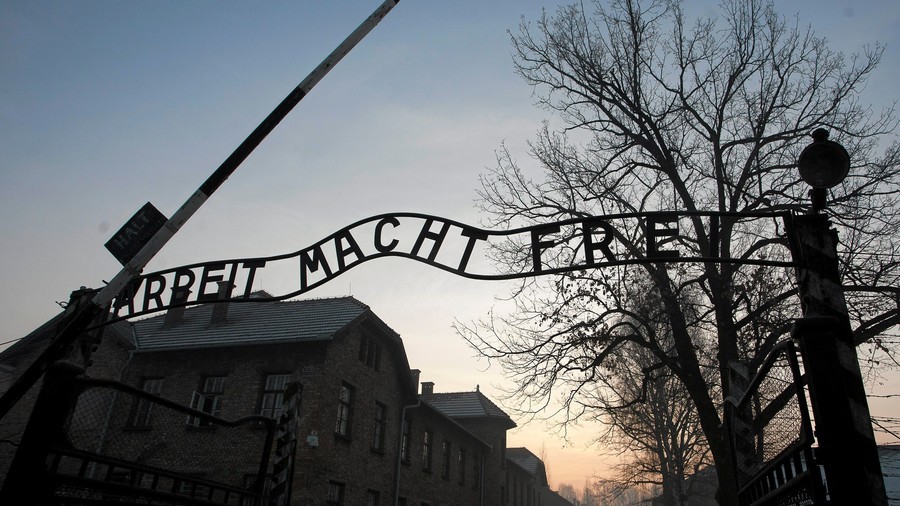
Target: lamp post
[(843, 426)]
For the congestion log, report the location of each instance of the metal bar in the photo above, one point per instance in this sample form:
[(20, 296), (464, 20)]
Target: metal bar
[(512, 231), (806, 421), (135, 266)]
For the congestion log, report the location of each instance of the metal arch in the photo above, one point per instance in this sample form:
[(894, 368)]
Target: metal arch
[(344, 244)]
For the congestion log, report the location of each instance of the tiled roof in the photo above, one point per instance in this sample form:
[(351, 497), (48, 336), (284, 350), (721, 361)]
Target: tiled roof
[(530, 462), (251, 323), (522, 456), (426, 405), (466, 405)]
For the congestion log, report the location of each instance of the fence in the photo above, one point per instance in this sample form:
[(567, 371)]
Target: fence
[(101, 442), (771, 436)]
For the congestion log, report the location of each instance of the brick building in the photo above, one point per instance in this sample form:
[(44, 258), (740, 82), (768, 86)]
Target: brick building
[(533, 487), (365, 435), (488, 422)]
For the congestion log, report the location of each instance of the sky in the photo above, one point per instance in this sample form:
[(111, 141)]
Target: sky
[(106, 105)]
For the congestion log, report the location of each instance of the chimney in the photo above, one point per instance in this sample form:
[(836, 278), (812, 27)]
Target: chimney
[(427, 388), (173, 315), (415, 379), (220, 309)]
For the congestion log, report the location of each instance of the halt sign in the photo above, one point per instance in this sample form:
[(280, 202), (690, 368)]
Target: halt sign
[(135, 233)]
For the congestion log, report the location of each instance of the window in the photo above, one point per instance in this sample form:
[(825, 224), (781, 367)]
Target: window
[(344, 411), (272, 395), (445, 459), (147, 480), (372, 498), (141, 409), (461, 466), (335, 495), (120, 476), (186, 488), (380, 423), (370, 352), (427, 442), (193, 489), (208, 399), (405, 441)]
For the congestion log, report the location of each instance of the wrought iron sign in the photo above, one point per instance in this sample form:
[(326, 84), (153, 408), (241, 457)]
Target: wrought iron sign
[(565, 246)]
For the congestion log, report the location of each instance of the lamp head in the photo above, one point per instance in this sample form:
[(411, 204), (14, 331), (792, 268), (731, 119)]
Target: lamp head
[(824, 163)]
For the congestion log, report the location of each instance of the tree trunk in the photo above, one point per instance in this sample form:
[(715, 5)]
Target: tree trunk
[(690, 374)]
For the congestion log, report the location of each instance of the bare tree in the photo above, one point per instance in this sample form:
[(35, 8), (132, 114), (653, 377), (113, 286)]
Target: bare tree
[(610, 494), (659, 440), (662, 115), (588, 497), (649, 419), (567, 492)]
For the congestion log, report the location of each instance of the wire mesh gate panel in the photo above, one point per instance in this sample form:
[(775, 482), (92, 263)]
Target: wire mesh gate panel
[(114, 444), (771, 436)]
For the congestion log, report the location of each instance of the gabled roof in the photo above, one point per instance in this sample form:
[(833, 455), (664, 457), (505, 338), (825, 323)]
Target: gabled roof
[(529, 462), (437, 412), (467, 405), (254, 323)]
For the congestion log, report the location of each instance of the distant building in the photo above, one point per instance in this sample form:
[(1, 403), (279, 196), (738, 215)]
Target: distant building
[(365, 434), (889, 455), (481, 417), (538, 490)]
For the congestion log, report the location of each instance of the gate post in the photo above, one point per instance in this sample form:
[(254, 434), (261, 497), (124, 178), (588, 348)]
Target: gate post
[(26, 481), (843, 426)]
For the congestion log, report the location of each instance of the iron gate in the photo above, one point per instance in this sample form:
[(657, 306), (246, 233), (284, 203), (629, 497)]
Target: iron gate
[(92, 441), (771, 436)]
